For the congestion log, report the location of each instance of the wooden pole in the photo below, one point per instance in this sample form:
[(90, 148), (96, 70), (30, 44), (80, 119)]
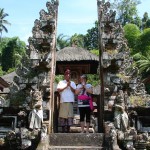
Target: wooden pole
[(52, 73), (101, 49)]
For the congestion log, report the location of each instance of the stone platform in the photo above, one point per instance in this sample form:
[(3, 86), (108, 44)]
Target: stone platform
[(75, 148), (72, 141)]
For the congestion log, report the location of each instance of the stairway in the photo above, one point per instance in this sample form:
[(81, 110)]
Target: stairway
[(72, 141)]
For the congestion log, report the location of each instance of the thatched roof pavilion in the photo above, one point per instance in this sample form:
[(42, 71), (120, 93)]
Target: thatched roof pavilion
[(3, 84), (78, 59), (9, 77), (7, 80)]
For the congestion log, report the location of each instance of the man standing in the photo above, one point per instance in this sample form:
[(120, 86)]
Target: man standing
[(66, 88)]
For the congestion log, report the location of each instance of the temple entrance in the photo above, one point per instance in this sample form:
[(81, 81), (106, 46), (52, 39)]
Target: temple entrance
[(79, 64), (39, 101)]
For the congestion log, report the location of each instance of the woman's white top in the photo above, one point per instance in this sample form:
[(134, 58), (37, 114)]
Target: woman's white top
[(87, 86)]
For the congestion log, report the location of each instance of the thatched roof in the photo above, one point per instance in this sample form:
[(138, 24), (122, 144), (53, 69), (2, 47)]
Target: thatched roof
[(75, 54), (76, 58), (3, 83), (9, 77)]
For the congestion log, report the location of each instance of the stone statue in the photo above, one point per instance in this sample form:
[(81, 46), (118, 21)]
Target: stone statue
[(113, 139), (121, 120), (36, 115), (2, 101)]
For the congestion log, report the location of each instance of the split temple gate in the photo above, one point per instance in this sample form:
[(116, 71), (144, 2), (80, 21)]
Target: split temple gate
[(33, 91)]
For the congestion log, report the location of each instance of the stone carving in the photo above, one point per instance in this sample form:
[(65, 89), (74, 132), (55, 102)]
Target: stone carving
[(2, 102), (121, 119), (36, 117), (52, 7), (33, 76), (113, 139), (43, 15), (121, 78)]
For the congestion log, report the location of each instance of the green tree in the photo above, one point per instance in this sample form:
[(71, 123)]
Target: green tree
[(91, 38), (3, 22), (1, 71), (143, 42), (95, 51), (131, 33), (20, 50), (144, 63), (144, 20), (12, 53), (62, 41), (77, 39), (126, 10), (3, 44), (147, 25), (93, 79), (8, 56), (137, 21)]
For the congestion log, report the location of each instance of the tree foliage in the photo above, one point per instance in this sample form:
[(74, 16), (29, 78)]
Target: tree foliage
[(12, 53), (3, 22), (145, 21), (93, 79), (62, 41), (77, 40), (126, 10), (8, 57), (95, 51), (144, 63), (131, 33), (143, 43), (88, 41), (91, 38), (3, 44)]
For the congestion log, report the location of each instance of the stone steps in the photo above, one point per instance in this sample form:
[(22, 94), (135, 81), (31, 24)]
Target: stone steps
[(75, 148), (76, 139), (72, 141), (75, 128)]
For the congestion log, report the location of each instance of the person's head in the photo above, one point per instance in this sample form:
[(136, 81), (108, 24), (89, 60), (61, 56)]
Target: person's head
[(83, 78), (67, 74)]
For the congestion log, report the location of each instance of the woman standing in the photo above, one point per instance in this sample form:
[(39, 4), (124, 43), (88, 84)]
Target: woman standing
[(84, 92)]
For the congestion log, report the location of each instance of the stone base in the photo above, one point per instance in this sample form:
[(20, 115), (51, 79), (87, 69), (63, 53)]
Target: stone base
[(76, 139), (75, 148), (72, 141)]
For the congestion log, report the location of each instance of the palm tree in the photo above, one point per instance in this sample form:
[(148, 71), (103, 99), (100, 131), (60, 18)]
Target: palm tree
[(144, 63), (62, 41), (3, 21), (77, 40)]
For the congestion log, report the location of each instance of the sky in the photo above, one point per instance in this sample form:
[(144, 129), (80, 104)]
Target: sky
[(74, 16)]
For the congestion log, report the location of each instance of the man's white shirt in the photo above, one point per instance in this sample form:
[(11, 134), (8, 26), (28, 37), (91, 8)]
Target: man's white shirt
[(66, 95)]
